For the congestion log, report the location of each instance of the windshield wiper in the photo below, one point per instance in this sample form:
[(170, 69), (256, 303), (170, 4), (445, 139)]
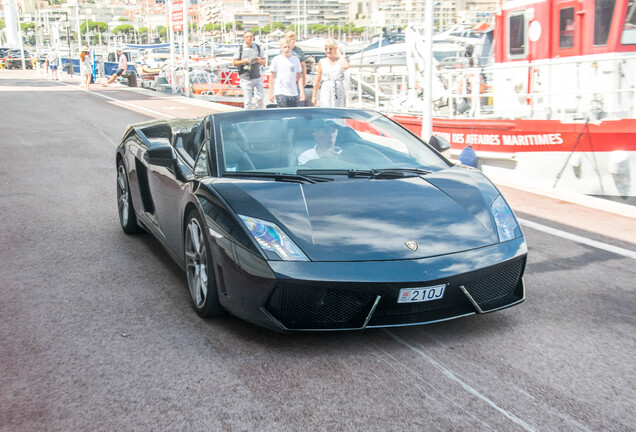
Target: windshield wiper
[(282, 177), (404, 172), (386, 173)]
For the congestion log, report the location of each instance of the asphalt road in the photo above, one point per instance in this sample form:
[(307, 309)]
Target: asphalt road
[(97, 333)]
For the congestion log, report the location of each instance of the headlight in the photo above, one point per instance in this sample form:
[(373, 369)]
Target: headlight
[(504, 219), (272, 239)]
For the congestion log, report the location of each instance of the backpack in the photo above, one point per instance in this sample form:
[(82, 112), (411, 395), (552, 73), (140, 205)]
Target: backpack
[(250, 70)]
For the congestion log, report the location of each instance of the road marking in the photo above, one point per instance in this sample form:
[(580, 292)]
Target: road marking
[(400, 371), (464, 385), (160, 114), (579, 239)]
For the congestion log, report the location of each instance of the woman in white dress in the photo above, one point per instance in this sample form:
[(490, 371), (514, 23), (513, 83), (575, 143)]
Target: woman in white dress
[(330, 77), (86, 69)]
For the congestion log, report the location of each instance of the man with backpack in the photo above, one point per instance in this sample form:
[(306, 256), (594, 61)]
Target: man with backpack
[(248, 58)]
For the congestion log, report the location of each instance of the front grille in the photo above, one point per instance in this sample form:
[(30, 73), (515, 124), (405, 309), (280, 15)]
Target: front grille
[(299, 306), (499, 287)]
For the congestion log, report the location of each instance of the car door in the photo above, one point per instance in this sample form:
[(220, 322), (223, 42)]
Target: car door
[(170, 188)]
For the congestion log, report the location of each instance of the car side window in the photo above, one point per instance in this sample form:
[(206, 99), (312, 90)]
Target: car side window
[(189, 143), (201, 166), (182, 151)]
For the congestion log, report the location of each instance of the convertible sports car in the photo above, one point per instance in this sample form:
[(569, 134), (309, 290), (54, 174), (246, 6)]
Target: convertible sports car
[(320, 219)]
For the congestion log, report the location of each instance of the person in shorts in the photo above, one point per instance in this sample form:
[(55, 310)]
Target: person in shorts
[(53, 62), (286, 77), (302, 57), (121, 67)]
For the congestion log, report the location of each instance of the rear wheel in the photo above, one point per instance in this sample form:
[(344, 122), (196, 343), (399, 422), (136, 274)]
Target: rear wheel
[(200, 269), (127, 216)]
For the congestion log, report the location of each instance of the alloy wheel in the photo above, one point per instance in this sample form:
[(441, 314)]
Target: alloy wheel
[(196, 263), (123, 197)]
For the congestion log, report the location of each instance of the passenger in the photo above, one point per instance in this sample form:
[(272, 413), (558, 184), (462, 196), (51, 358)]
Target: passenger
[(330, 77), (248, 59), (121, 68), (325, 145), (286, 77)]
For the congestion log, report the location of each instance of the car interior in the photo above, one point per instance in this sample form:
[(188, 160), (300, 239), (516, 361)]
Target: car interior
[(188, 142), (267, 144), (274, 144)]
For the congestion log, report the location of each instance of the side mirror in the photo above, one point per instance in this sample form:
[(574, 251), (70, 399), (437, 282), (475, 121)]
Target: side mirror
[(161, 155), (438, 143)]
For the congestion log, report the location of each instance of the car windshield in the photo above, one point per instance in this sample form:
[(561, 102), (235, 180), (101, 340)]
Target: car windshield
[(321, 142)]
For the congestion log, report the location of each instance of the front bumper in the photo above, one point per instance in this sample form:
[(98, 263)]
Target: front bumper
[(322, 307), (312, 296)]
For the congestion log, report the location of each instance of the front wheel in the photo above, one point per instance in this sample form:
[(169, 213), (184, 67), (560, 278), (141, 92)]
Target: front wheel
[(127, 216), (200, 269)]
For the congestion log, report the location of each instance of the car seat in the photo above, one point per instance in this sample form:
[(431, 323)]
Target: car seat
[(234, 145), (265, 143)]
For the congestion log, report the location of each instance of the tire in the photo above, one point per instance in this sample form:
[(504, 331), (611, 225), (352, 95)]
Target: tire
[(127, 217), (200, 269)]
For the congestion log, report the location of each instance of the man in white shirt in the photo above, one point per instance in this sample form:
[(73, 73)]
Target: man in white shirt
[(325, 145), (285, 77)]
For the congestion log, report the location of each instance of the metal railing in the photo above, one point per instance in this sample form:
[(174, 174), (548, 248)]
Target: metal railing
[(595, 87)]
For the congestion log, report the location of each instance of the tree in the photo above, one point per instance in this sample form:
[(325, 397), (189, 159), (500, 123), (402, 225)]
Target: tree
[(27, 26), (278, 25), (100, 26), (317, 28), (96, 26), (163, 32), (261, 30), (235, 25), (210, 27), (125, 29)]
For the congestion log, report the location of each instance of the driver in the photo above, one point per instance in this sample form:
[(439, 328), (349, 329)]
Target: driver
[(325, 145)]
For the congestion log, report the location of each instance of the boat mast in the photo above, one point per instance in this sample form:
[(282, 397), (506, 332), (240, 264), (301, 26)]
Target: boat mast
[(427, 112)]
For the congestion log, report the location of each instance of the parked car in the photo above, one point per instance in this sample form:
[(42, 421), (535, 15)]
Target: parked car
[(320, 219), (3, 57), (14, 59)]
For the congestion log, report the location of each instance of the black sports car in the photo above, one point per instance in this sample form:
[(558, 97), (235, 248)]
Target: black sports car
[(320, 219)]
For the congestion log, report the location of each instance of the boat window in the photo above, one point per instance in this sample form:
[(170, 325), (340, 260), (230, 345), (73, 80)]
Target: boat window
[(629, 32), (517, 36), (566, 28), (603, 11)]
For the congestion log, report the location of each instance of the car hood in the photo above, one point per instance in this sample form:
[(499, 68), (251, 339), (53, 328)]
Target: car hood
[(367, 219)]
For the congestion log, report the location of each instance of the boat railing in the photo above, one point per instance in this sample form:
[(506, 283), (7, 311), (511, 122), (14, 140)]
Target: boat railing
[(571, 89)]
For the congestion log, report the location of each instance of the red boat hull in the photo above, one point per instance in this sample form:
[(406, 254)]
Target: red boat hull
[(514, 136)]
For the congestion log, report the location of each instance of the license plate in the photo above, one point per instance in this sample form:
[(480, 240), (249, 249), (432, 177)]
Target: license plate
[(416, 295)]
